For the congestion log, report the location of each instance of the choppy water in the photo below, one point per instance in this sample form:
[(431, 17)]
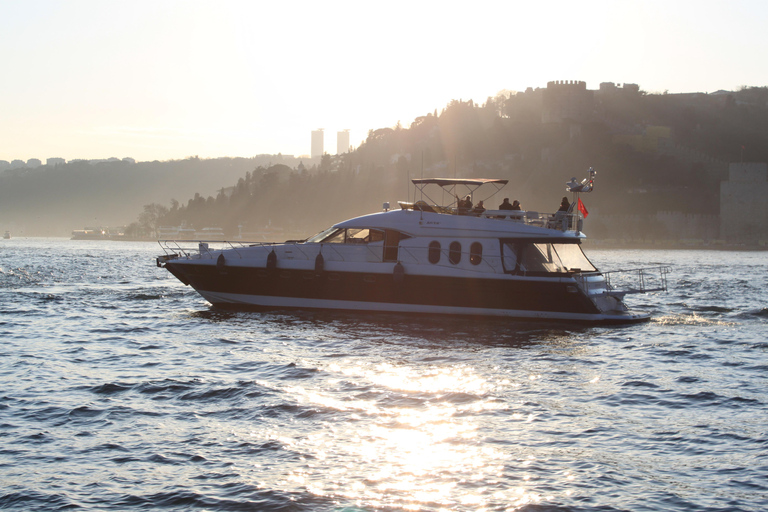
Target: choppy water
[(122, 389)]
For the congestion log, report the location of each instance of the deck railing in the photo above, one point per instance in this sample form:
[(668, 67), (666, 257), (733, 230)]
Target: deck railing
[(638, 280), (559, 220), (188, 248)]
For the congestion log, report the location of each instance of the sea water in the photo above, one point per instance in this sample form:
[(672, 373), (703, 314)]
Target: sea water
[(123, 389)]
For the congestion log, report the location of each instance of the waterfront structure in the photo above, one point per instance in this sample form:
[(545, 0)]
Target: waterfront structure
[(743, 208)]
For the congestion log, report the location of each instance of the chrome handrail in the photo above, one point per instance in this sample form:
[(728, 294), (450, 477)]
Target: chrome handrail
[(648, 279)]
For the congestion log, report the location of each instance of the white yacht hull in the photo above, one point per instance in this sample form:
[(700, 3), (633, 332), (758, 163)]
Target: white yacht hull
[(241, 301)]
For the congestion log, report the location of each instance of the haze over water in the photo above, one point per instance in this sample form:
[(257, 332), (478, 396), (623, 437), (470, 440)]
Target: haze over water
[(123, 389)]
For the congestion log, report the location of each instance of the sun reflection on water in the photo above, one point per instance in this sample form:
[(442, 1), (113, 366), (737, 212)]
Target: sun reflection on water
[(413, 439)]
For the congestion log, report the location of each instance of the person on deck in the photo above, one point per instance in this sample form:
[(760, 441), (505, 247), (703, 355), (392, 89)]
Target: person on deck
[(464, 205), (516, 205), (477, 210), (505, 205), (564, 205)]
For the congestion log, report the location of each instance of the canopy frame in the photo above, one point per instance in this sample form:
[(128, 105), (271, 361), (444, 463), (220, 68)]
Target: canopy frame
[(450, 185)]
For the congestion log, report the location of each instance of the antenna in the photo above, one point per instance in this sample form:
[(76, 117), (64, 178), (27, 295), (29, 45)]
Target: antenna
[(422, 175)]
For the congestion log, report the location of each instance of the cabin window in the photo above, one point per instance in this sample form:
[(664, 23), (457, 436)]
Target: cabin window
[(476, 253), (573, 257), (364, 236), (546, 257), (509, 256), (434, 252), (454, 253), (540, 258)]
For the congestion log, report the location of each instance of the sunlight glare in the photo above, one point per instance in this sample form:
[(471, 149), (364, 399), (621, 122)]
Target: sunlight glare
[(407, 442)]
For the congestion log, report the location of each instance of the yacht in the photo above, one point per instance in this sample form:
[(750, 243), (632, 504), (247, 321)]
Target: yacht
[(427, 258)]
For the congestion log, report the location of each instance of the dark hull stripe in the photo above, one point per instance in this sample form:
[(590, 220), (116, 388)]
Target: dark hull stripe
[(519, 295)]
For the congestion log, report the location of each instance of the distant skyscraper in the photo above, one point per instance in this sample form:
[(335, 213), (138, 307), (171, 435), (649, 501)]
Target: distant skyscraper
[(317, 143), (342, 142)]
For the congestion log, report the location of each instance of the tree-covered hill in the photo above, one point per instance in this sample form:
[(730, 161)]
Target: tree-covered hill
[(53, 200), (652, 153)]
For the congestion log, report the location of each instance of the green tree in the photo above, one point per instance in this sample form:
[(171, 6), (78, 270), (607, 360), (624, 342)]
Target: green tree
[(149, 219)]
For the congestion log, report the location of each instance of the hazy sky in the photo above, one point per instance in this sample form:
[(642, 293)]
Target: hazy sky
[(164, 79)]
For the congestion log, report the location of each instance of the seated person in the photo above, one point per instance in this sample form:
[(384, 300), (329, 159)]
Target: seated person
[(564, 205), (516, 205), (505, 205), (477, 210)]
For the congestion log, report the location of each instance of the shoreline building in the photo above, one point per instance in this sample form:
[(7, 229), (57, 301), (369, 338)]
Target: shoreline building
[(743, 209)]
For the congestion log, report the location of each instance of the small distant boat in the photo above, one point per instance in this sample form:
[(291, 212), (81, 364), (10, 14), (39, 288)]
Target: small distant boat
[(7, 235), (177, 233), (89, 234), (425, 258), (210, 234)]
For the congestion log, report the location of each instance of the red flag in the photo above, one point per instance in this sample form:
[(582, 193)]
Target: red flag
[(582, 208)]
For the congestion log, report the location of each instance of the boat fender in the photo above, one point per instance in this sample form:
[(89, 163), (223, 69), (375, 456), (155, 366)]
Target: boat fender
[(221, 261), (398, 273), (319, 263), (272, 260)]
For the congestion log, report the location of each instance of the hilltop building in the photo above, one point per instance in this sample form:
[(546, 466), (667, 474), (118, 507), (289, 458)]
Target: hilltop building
[(318, 146), (567, 100), (610, 88), (342, 142)]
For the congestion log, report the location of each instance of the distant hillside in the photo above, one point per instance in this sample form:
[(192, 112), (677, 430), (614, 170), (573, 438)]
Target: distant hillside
[(54, 200), (653, 153)]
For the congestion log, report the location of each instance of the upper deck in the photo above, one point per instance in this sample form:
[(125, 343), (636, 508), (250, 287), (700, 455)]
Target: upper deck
[(561, 221), (568, 223)]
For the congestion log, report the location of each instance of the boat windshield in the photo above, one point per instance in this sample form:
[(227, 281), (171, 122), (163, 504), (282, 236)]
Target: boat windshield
[(322, 235), (348, 236)]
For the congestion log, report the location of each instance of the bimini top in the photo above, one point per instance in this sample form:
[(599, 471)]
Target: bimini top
[(447, 182)]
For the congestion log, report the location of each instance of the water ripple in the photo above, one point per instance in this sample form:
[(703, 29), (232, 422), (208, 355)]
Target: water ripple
[(123, 389)]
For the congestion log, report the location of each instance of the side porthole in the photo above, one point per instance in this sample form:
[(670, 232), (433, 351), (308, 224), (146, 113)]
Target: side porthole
[(434, 252), (476, 253), (454, 253)]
